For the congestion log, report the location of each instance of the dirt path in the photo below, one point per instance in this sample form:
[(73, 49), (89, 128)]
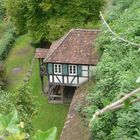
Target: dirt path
[(18, 61)]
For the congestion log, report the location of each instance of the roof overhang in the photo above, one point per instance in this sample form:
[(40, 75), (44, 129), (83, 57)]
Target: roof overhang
[(41, 53)]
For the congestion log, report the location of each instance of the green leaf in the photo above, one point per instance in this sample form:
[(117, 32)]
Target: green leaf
[(19, 136), (9, 122), (127, 103), (47, 135), (138, 80)]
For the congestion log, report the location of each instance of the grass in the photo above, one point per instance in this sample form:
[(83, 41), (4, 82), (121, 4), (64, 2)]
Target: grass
[(49, 115), (18, 61), (20, 56)]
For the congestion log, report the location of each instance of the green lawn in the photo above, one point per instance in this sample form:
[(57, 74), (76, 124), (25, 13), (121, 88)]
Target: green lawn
[(49, 115), (20, 56), (18, 61)]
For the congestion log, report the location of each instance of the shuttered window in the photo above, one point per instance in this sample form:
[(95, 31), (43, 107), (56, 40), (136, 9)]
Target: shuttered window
[(72, 70), (50, 70), (79, 70), (65, 69), (57, 69)]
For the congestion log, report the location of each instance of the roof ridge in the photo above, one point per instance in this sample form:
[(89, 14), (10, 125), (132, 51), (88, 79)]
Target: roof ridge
[(64, 37)]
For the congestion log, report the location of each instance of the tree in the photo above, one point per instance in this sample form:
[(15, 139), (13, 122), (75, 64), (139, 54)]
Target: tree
[(18, 11), (49, 19)]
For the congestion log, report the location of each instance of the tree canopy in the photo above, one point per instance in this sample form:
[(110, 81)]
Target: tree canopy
[(49, 19)]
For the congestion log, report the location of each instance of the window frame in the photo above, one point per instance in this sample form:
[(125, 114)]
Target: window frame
[(57, 68), (72, 69)]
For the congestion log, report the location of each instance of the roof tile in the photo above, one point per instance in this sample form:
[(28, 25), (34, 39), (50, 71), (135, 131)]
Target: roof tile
[(41, 53), (74, 48)]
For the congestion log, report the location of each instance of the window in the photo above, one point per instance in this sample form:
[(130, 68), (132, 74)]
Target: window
[(72, 70), (57, 69)]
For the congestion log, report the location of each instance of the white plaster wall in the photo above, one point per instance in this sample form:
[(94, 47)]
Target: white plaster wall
[(84, 73), (50, 78), (82, 80), (60, 78), (56, 79), (70, 79), (65, 79), (84, 67), (75, 81)]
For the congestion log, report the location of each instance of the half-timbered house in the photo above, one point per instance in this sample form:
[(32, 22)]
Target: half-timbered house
[(68, 61)]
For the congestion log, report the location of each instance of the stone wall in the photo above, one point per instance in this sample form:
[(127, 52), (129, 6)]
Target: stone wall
[(74, 128)]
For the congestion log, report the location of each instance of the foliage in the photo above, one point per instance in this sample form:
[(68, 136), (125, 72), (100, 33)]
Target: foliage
[(47, 135), (19, 58), (6, 41), (48, 20), (7, 37), (6, 103), (2, 75), (26, 105), (127, 124), (24, 102), (2, 9), (11, 129), (116, 73), (18, 10), (47, 113)]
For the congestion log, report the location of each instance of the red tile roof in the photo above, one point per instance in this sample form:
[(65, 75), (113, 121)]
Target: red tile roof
[(74, 48), (41, 53)]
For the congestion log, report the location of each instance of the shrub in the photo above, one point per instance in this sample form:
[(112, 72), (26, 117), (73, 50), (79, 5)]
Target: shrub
[(116, 73), (6, 41), (6, 103), (24, 102), (2, 9), (2, 75)]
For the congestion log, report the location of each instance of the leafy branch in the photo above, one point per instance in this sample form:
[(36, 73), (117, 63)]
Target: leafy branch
[(116, 105), (115, 34)]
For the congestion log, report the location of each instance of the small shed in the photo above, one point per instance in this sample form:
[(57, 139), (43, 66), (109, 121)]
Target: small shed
[(67, 63)]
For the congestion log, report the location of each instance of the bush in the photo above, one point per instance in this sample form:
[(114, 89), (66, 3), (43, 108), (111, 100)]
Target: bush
[(2, 9), (116, 73), (127, 124), (6, 41), (26, 105), (23, 101), (2, 76), (6, 103)]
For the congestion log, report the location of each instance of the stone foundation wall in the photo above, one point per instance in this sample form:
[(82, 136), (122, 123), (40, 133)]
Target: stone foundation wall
[(74, 128)]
